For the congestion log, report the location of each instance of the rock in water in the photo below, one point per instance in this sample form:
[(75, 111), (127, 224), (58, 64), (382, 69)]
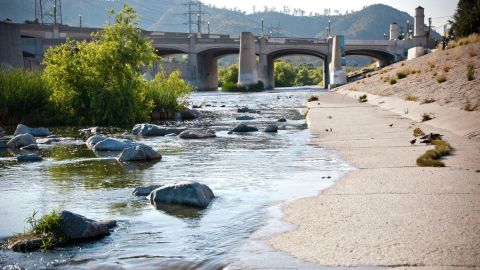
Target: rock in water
[(271, 129), (21, 141), (3, 145), (94, 140), (111, 144), (189, 114), (36, 132), (244, 117), (29, 158), (24, 244), (197, 134), (154, 130), (189, 193), (144, 191), (282, 120), (139, 152), (244, 128), (30, 147), (77, 227), (48, 140)]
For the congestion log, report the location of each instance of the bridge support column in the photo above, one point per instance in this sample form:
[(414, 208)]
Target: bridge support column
[(207, 75), (338, 74), (247, 74), (265, 66), (326, 73)]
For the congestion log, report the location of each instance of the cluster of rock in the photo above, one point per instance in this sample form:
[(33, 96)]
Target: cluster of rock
[(92, 131), (73, 228), (187, 193), (24, 139), (154, 130), (131, 151)]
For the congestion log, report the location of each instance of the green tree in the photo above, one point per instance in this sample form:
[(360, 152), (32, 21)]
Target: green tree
[(302, 77), (228, 74), (164, 91), (466, 19), (284, 74), (100, 82)]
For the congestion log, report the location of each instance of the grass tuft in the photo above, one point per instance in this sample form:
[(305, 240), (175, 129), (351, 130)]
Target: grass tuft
[(426, 117), (428, 100), (411, 98), (417, 132), (441, 78), (312, 98), (392, 81), (470, 72), (362, 98), (430, 158)]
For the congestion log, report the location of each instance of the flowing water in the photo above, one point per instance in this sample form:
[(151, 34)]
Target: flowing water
[(250, 174)]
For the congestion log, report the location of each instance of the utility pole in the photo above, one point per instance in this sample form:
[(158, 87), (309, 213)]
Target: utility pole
[(262, 26), (194, 8), (80, 17), (48, 11), (208, 27), (429, 27)]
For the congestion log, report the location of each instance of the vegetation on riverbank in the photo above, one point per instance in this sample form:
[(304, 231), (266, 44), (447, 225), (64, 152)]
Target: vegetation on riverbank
[(234, 87), (286, 74), (92, 83)]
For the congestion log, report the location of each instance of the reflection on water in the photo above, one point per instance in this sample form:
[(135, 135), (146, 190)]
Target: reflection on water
[(249, 174)]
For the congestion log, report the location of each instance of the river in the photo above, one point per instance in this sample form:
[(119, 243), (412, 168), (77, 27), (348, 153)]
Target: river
[(252, 175)]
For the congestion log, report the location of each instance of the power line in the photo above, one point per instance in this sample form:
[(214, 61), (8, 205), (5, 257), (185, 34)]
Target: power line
[(48, 11), (194, 15)]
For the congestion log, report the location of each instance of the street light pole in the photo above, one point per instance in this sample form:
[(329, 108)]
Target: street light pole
[(408, 28), (80, 17), (329, 29), (198, 23), (208, 26), (262, 26)]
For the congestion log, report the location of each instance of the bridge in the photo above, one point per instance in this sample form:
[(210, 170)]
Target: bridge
[(22, 45)]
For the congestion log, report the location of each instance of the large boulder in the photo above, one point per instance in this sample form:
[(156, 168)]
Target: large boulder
[(112, 144), (154, 130), (36, 132), (139, 152), (21, 140), (189, 193), (144, 191), (94, 140), (76, 227), (29, 158), (243, 128), (197, 134), (271, 129)]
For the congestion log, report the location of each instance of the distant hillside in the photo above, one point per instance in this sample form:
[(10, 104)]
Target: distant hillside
[(168, 15)]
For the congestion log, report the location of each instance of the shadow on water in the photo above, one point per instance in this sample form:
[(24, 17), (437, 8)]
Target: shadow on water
[(186, 213)]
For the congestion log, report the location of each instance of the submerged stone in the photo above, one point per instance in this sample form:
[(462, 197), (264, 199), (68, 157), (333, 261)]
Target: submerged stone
[(271, 129), (244, 128), (29, 158), (21, 140)]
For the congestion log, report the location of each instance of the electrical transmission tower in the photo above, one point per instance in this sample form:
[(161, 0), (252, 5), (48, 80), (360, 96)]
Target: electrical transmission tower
[(48, 11), (194, 15)]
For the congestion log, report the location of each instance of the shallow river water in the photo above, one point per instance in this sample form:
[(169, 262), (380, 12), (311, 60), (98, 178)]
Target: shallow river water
[(252, 175)]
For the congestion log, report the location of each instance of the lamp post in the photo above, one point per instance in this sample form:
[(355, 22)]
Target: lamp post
[(329, 27), (208, 26), (199, 24), (385, 36), (80, 17), (262, 26), (408, 28)]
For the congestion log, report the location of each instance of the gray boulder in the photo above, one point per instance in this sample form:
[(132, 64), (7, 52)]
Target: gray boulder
[(243, 128), (94, 140), (29, 158), (76, 227), (21, 140), (144, 191), (197, 134), (36, 132), (138, 152), (271, 129), (154, 130), (91, 130), (245, 117), (189, 193), (30, 147), (21, 244), (282, 120), (112, 144)]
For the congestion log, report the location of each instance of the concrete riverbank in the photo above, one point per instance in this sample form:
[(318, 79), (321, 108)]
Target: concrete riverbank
[(388, 212)]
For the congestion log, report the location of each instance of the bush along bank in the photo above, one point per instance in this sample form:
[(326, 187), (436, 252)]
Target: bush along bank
[(234, 87)]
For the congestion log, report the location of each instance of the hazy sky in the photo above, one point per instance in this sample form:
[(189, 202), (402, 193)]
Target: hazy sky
[(438, 10)]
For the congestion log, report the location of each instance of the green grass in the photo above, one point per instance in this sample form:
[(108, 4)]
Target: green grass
[(392, 81), (233, 87), (45, 227), (426, 117), (430, 158), (403, 73), (24, 97)]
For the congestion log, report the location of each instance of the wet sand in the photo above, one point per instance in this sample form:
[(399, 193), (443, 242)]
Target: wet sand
[(389, 212)]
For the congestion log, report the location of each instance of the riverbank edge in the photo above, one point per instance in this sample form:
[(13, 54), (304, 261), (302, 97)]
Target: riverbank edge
[(367, 217)]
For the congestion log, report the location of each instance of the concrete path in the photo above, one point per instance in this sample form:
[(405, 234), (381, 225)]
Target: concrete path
[(388, 212)]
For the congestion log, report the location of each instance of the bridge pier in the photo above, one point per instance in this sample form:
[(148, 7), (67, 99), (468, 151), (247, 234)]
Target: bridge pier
[(338, 74), (247, 73), (326, 73), (265, 66), (207, 75)]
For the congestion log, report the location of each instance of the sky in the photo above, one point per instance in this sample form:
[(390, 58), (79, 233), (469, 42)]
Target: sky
[(439, 10)]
